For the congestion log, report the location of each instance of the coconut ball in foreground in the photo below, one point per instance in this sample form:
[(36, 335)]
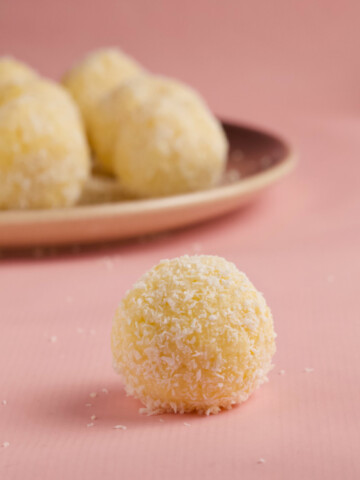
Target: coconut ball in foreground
[(96, 75), (193, 334), (44, 157), (13, 70), (159, 138)]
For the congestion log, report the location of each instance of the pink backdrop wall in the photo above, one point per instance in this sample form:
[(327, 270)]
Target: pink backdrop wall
[(288, 65), (241, 55)]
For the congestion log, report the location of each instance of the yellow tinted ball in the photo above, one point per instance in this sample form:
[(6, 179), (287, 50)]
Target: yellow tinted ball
[(96, 75), (44, 157), (193, 334), (159, 138), (12, 70)]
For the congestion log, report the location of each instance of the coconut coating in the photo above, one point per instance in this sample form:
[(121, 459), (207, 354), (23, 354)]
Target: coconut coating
[(11, 70), (46, 89), (44, 157), (96, 75), (159, 137), (193, 335)]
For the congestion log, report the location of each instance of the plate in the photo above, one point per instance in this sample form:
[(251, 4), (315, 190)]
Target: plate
[(256, 160)]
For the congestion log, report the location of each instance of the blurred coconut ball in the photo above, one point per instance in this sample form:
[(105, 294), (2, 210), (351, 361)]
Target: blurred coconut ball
[(96, 75), (44, 156), (193, 334), (45, 89), (13, 70), (158, 137)]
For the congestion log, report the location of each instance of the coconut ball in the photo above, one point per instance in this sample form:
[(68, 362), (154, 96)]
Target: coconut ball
[(96, 75), (12, 70), (159, 138), (193, 335), (44, 157), (46, 89)]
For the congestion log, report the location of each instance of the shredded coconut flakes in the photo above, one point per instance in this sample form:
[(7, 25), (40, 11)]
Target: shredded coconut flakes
[(180, 300)]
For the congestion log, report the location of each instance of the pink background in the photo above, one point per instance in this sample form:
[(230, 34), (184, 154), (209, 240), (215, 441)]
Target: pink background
[(292, 66)]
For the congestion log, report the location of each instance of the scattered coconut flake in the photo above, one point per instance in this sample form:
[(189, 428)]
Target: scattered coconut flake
[(161, 420), (196, 247), (232, 175), (90, 424), (92, 332), (69, 299), (92, 394), (109, 264), (282, 372), (4, 402), (236, 156), (80, 330), (53, 339), (119, 427), (5, 445), (145, 411), (88, 405), (261, 460), (187, 424), (105, 390), (266, 161), (330, 278), (308, 370), (93, 417)]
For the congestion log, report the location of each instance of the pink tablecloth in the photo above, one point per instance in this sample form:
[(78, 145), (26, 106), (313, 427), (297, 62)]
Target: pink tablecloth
[(292, 66)]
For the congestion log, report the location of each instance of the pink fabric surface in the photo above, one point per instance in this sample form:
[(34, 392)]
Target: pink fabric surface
[(291, 66)]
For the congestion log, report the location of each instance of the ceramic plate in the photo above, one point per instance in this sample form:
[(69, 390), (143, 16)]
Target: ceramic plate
[(256, 160)]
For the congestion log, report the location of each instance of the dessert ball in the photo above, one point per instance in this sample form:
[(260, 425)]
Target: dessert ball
[(12, 70), (44, 158), (96, 75), (159, 138), (44, 89), (193, 334)]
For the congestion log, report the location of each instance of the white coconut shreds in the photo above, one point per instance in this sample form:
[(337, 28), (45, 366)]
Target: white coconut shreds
[(193, 334), (119, 427), (308, 370), (44, 158)]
